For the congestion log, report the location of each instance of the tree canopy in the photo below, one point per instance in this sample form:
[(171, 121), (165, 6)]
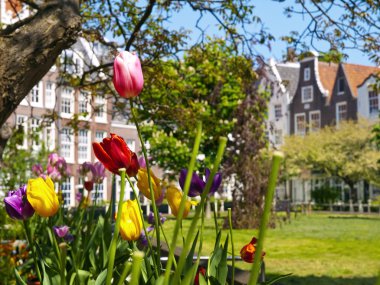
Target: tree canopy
[(346, 152)]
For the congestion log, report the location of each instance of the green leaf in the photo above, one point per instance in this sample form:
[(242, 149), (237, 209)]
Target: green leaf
[(101, 278), (19, 280), (189, 275), (189, 258)]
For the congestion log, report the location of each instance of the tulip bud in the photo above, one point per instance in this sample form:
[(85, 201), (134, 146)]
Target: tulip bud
[(248, 251), (131, 223), (17, 206), (41, 195), (127, 75), (174, 197)]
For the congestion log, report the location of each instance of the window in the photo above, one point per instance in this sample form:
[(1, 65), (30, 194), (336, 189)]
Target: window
[(83, 146), (66, 101), (98, 192), (307, 94), (341, 86), (22, 122), (49, 94), (100, 110), (306, 74), (277, 111), (36, 132), (84, 106), (35, 95), (341, 111), (373, 102), (66, 192), (50, 137), (300, 124), (315, 120), (131, 144), (278, 137), (67, 144), (100, 135)]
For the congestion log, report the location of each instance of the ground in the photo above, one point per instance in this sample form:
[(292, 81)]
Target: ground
[(316, 249)]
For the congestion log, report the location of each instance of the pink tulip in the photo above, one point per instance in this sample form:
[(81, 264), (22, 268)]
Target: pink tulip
[(127, 75)]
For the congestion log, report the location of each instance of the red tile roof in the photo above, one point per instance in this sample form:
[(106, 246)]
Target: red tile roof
[(327, 74), (356, 74)]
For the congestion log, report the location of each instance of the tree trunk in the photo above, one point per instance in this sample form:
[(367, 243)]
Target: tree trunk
[(29, 48)]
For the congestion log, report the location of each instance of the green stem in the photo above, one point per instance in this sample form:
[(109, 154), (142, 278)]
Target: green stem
[(276, 162), (232, 245), (142, 218), (137, 258), (29, 238), (194, 221), (155, 210), (183, 202), (124, 273), (63, 248), (112, 250)]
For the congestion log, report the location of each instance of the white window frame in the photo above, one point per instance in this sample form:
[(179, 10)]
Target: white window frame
[(67, 141), (373, 111), (84, 155), (49, 95), (296, 130), (311, 113), (67, 94), (34, 124), (277, 111), (84, 99), (68, 194), (306, 74), (36, 92), (101, 101), (24, 124), (49, 137), (338, 118), (278, 136), (101, 192), (131, 143), (310, 87), (100, 135)]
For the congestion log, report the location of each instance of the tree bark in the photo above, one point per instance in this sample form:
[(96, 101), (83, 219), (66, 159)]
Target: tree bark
[(29, 50)]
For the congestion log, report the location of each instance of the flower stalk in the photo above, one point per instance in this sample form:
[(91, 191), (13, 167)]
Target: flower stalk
[(232, 245), (63, 249), (112, 250), (183, 202), (137, 259), (194, 222), (155, 210), (276, 162), (30, 242)]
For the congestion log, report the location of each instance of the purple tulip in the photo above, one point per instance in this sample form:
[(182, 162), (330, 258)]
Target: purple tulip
[(98, 172), (78, 197), (53, 158), (85, 168), (69, 237), (197, 184), (57, 167), (61, 231), (143, 239), (142, 162), (37, 169), (17, 206), (151, 220)]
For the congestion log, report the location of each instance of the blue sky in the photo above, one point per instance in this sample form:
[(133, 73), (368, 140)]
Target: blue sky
[(272, 15)]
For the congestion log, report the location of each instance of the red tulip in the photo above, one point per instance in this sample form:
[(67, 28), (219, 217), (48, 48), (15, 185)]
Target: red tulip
[(247, 253), (114, 153), (127, 75)]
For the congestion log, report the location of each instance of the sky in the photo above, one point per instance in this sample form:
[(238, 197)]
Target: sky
[(277, 23)]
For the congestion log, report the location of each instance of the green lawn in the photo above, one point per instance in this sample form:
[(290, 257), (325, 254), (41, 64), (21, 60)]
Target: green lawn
[(316, 249)]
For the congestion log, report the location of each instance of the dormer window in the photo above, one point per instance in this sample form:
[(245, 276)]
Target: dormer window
[(306, 74), (341, 86), (307, 94)]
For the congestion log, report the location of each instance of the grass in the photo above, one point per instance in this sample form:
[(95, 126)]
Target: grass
[(316, 249)]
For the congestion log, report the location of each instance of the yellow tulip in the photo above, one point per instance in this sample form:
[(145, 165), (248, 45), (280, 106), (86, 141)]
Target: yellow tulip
[(174, 196), (131, 223), (41, 195), (143, 184)]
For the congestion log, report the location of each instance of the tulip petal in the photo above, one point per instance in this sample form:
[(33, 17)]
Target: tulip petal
[(42, 197), (103, 156)]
